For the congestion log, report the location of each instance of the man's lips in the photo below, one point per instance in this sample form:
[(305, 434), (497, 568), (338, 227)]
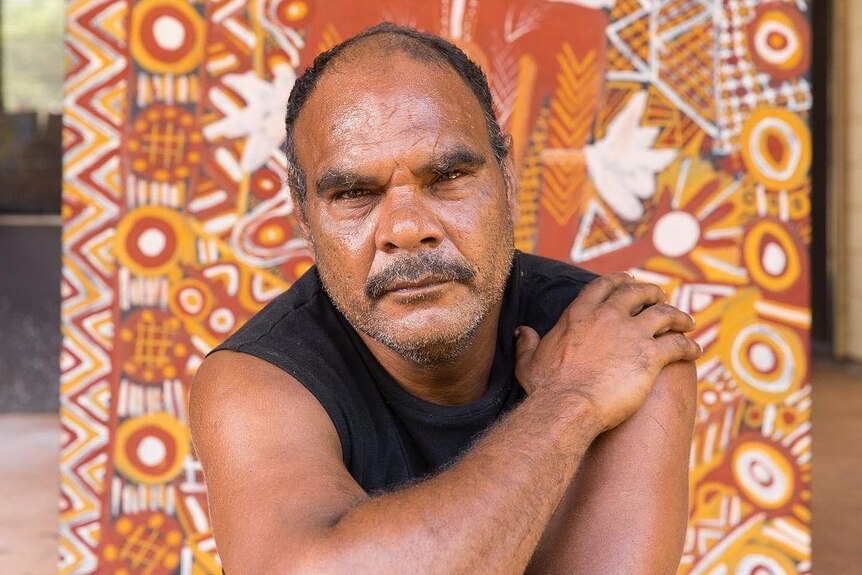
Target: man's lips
[(421, 284)]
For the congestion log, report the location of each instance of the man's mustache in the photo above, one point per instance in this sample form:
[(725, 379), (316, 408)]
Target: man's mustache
[(414, 267)]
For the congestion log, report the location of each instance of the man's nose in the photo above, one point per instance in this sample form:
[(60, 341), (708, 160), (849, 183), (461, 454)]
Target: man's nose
[(406, 221)]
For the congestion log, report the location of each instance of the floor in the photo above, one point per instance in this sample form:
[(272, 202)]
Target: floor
[(837, 490), (28, 481), (29, 486)]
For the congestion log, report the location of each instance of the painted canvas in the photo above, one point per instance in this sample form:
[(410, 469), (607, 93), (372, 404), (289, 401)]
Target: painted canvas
[(666, 137)]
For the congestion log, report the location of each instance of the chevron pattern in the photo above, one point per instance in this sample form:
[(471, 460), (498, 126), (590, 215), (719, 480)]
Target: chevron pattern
[(95, 90), (570, 120)]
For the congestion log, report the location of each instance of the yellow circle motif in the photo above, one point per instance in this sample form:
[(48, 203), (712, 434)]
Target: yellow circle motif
[(776, 148), (771, 256), (152, 240), (763, 474), (190, 298), (150, 450), (167, 37), (766, 359)]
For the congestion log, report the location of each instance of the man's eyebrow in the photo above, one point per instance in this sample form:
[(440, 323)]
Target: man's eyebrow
[(459, 157), (343, 179)]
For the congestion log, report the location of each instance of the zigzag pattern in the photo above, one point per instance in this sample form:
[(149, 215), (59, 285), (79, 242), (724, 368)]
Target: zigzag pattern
[(529, 186), (95, 87), (569, 124)]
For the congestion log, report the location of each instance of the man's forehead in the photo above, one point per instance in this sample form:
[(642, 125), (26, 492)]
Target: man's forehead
[(371, 70), (364, 101)]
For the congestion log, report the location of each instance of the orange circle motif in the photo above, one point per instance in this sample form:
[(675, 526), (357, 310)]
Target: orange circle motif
[(776, 148), (167, 37), (155, 346), (779, 40), (146, 542), (165, 143), (289, 12)]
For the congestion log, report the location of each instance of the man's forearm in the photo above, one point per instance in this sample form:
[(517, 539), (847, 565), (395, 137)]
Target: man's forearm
[(485, 514), (626, 509)]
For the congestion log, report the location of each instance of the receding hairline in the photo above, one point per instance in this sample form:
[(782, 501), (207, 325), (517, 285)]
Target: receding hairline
[(387, 44), (390, 39)]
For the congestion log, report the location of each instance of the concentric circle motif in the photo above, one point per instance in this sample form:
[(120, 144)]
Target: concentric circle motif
[(151, 449), (763, 473), (222, 321), (154, 345), (165, 143), (191, 298), (771, 256), (290, 13), (779, 40), (265, 184), (776, 148), (167, 37), (151, 240), (765, 358), (762, 560), (146, 542), (266, 236)]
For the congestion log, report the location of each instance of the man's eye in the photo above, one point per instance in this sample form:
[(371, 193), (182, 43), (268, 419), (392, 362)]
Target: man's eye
[(449, 176), (353, 194)]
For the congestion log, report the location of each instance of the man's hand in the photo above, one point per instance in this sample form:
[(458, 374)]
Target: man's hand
[(607, 348)]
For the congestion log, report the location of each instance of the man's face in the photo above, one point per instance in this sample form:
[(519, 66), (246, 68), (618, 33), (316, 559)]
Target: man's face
[(406, 208)]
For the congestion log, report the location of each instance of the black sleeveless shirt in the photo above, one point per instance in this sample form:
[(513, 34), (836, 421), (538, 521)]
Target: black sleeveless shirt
[(388, 436)]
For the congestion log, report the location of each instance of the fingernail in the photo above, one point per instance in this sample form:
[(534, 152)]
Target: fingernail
[(517, 332)]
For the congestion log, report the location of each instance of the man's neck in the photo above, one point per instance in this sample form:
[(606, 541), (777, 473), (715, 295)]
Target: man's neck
[(460, 381)]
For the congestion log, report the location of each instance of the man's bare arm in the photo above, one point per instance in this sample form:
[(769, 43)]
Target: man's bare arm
[(626, 511), (282, 501)]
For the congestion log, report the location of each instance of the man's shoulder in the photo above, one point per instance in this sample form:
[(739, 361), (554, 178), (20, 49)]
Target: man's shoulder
[(277, 319), (547, 272), (546, 289)]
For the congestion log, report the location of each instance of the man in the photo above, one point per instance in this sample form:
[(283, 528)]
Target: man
[(427, 400)]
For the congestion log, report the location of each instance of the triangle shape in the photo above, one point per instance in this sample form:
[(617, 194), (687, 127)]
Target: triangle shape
[(598, 233)]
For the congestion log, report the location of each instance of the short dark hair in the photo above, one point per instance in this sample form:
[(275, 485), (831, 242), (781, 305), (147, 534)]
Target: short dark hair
[(420, 45)]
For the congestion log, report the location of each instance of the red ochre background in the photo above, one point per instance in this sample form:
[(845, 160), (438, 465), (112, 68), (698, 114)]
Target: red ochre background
[(670, 140)]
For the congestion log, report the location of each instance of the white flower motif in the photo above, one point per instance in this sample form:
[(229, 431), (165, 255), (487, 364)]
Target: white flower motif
[(623, 165), (261, 120)]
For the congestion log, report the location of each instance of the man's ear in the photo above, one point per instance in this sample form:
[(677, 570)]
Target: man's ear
[(511, 180), (302, 218)]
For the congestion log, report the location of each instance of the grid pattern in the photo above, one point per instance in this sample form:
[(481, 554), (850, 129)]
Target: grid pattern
[(742, 87)]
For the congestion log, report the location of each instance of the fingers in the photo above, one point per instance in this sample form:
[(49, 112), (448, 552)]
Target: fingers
[(674, 346), (526, 341), (632, 298), (602, 287), (662, 317)]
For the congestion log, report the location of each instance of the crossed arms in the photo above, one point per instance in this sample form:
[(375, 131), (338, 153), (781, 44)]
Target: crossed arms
[(587, 475)]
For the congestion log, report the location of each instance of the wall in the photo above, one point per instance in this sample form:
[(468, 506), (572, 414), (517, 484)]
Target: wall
[(846, 172), (671, 140)]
